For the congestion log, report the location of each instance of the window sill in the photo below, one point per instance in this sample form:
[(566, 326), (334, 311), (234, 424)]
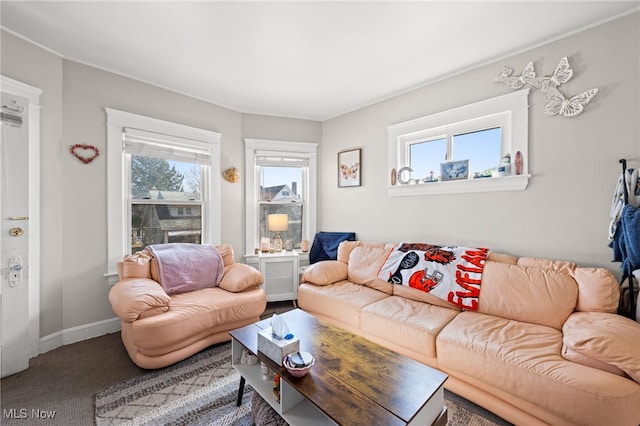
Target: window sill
[(505, 183), (254, 257), (111, 278)]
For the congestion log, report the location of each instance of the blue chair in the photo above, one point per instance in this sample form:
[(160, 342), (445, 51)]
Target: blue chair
[(325, 245)]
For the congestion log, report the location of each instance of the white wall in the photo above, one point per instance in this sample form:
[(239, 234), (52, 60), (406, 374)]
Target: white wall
[(564, 212), (74, 291)]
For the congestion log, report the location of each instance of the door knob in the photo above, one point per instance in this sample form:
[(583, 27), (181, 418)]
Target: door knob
[(16, 232)]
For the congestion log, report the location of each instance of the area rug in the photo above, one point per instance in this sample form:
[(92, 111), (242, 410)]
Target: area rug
[(203, 389)]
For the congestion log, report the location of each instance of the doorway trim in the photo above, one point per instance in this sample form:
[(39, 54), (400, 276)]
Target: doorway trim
[(32, 94)]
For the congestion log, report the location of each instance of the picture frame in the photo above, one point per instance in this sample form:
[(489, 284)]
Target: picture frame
[(454, 170), (349, 168)]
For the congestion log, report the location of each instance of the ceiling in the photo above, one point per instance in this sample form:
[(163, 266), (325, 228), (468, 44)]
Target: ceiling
[(312, 60)]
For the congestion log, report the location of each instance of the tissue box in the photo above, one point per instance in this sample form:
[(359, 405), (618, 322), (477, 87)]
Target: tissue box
[(274, 348)]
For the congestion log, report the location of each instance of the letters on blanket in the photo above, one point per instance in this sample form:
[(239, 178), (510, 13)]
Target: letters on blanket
[(451, 273)]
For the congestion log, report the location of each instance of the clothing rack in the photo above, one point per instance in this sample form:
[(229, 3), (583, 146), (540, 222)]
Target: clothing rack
[(628, 273)]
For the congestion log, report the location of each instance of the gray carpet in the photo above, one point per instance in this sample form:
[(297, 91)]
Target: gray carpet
[(202, 390), (66, 380)]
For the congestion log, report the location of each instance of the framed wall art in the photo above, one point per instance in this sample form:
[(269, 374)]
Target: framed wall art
[(454, 170), (349, 168)]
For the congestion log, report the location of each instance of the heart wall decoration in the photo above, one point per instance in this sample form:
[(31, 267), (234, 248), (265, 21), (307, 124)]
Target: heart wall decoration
[(84, 152)]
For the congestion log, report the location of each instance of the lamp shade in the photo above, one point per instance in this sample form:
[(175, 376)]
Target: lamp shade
[(278, 222)]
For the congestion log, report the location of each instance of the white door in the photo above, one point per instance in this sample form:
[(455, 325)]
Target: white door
[(19, 330)]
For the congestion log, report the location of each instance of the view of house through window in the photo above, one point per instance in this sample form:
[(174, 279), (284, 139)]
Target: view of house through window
[(166, 202), (281, 192), (482, 148)]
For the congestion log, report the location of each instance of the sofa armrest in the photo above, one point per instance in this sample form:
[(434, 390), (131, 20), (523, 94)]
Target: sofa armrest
[(133, 298), (608, 338), (239, 277), (325, 272)]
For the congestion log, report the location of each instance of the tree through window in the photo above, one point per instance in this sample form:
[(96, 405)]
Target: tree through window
[(161, 210)]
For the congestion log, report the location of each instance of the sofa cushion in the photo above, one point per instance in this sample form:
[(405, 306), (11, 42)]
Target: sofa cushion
[(524, 360), (552, 264), (364, 264), (573, 356), (342, 301), (529, 294), (240, 277), (226, 252), (598, 290), (135, 266), (325, 272), (502, 257), (345, 248), (407, 323), (608, 338), (422, 296), (193, 316)]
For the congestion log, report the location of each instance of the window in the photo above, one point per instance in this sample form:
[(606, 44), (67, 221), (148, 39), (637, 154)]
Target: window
[(281, 179), (281, 192), (482, 147), (163, 184), (482, 133), (166, 178), (160, 197)]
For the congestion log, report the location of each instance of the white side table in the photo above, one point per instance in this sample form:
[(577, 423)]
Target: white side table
[(280, 272)]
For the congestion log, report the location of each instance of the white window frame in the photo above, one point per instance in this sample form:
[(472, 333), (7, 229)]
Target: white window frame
[(118, 180), (510, 112), (254, 147)]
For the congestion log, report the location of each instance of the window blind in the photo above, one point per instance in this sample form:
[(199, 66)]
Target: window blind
[(167, 147), (11, 119), (282, 159)]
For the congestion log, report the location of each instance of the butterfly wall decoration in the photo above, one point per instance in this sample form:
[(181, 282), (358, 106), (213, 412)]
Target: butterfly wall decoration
[(516, 82), (349, 168), (557, 103)]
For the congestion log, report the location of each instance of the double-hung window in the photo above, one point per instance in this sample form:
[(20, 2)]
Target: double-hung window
[(281, 179), (163, 184), (167, 185), (474, 140)]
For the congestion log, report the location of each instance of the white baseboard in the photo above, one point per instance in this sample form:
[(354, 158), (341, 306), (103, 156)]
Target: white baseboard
[(77, 334)]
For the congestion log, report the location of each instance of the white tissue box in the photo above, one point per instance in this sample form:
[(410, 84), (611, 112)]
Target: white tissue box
[(276, 349)]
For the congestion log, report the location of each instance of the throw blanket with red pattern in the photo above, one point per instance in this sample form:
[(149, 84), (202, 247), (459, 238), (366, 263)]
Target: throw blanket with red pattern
[(451, 273)]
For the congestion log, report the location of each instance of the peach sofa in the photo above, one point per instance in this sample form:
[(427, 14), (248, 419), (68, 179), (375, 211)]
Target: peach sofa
[(159, 330), (544, 346)]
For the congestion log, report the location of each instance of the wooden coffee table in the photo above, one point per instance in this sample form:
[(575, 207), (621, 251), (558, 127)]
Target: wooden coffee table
[(353, 381)]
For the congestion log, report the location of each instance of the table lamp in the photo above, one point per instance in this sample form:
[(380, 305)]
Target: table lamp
[(277, 223)]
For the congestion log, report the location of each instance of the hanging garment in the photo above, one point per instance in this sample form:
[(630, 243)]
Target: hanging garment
[(626, 241), (631, 179)]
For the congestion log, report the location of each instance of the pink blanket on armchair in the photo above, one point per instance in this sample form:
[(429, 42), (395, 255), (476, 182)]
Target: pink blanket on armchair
[(186, 267)]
